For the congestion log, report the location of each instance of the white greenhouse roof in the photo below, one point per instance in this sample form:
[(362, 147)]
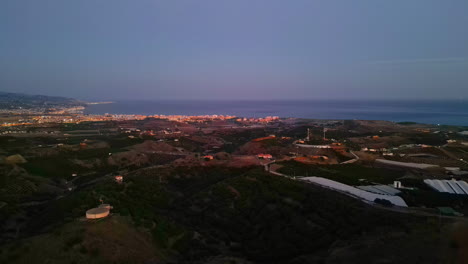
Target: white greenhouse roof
[(380, 189), (353, 191), (452, 186), (407, 164)]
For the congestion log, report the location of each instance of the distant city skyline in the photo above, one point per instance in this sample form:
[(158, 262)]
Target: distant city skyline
[(235, 50)]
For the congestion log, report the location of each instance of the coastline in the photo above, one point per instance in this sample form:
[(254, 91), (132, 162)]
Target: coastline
[(99, 103), (424, 112)]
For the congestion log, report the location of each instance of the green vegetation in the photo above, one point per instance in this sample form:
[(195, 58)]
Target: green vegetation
[(123, 142), (428, 138), (239, 138), (352, 145), (273, 142), (188, 144), (59, 167), (208, 213), (112, 240), (63, 165), (193, 214)]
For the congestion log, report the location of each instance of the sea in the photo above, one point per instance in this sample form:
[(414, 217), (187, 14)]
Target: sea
[(429, 112)]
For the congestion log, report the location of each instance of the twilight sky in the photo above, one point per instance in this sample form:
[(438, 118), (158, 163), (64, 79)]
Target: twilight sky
[(235, 49)]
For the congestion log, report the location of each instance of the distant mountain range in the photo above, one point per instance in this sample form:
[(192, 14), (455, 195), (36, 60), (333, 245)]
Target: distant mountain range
[(17, 100)]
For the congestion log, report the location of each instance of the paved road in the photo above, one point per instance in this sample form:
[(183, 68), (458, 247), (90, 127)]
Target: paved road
[(356, 158)]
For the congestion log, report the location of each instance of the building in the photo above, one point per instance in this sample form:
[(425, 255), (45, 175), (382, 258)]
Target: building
[(397, 184), (97, 213), (458, 173), (208, 157), (314, 146), (323, 157), (448, 186), (118, 178), (380, 189), (264, 156), (452, 168), (355, 192), (410, 165), (15, 159)]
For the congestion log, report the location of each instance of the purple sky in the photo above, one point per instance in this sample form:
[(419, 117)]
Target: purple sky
[(242, 49)]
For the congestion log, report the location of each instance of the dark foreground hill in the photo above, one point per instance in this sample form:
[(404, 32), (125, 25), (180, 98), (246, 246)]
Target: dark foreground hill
[(220, 215)]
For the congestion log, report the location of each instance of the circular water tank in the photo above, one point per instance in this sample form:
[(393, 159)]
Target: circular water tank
[(97, 213)]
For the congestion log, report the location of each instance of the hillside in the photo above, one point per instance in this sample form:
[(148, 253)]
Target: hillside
[(212, 215), (17, 100), (112, 241)]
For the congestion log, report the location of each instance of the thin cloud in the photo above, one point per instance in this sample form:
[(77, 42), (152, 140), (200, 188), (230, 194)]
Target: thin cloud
[(418, 61)]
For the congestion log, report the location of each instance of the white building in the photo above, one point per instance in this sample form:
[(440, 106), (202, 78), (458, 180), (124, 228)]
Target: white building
[(406, 164), (355, 192), (448, 186)]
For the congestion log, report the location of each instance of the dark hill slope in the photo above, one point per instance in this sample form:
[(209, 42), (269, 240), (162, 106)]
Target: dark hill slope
[(206, 214), (268, 219)]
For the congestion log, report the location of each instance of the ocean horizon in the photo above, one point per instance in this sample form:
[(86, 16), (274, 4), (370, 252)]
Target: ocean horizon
[(444, 112)]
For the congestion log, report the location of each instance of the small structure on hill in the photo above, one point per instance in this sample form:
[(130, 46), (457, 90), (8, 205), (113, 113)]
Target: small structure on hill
[(265, 156), (118, 179), (322, 157), (97, 213), (15, 159), (103, 210), (313, 146), (397, 184), (208, 157)]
